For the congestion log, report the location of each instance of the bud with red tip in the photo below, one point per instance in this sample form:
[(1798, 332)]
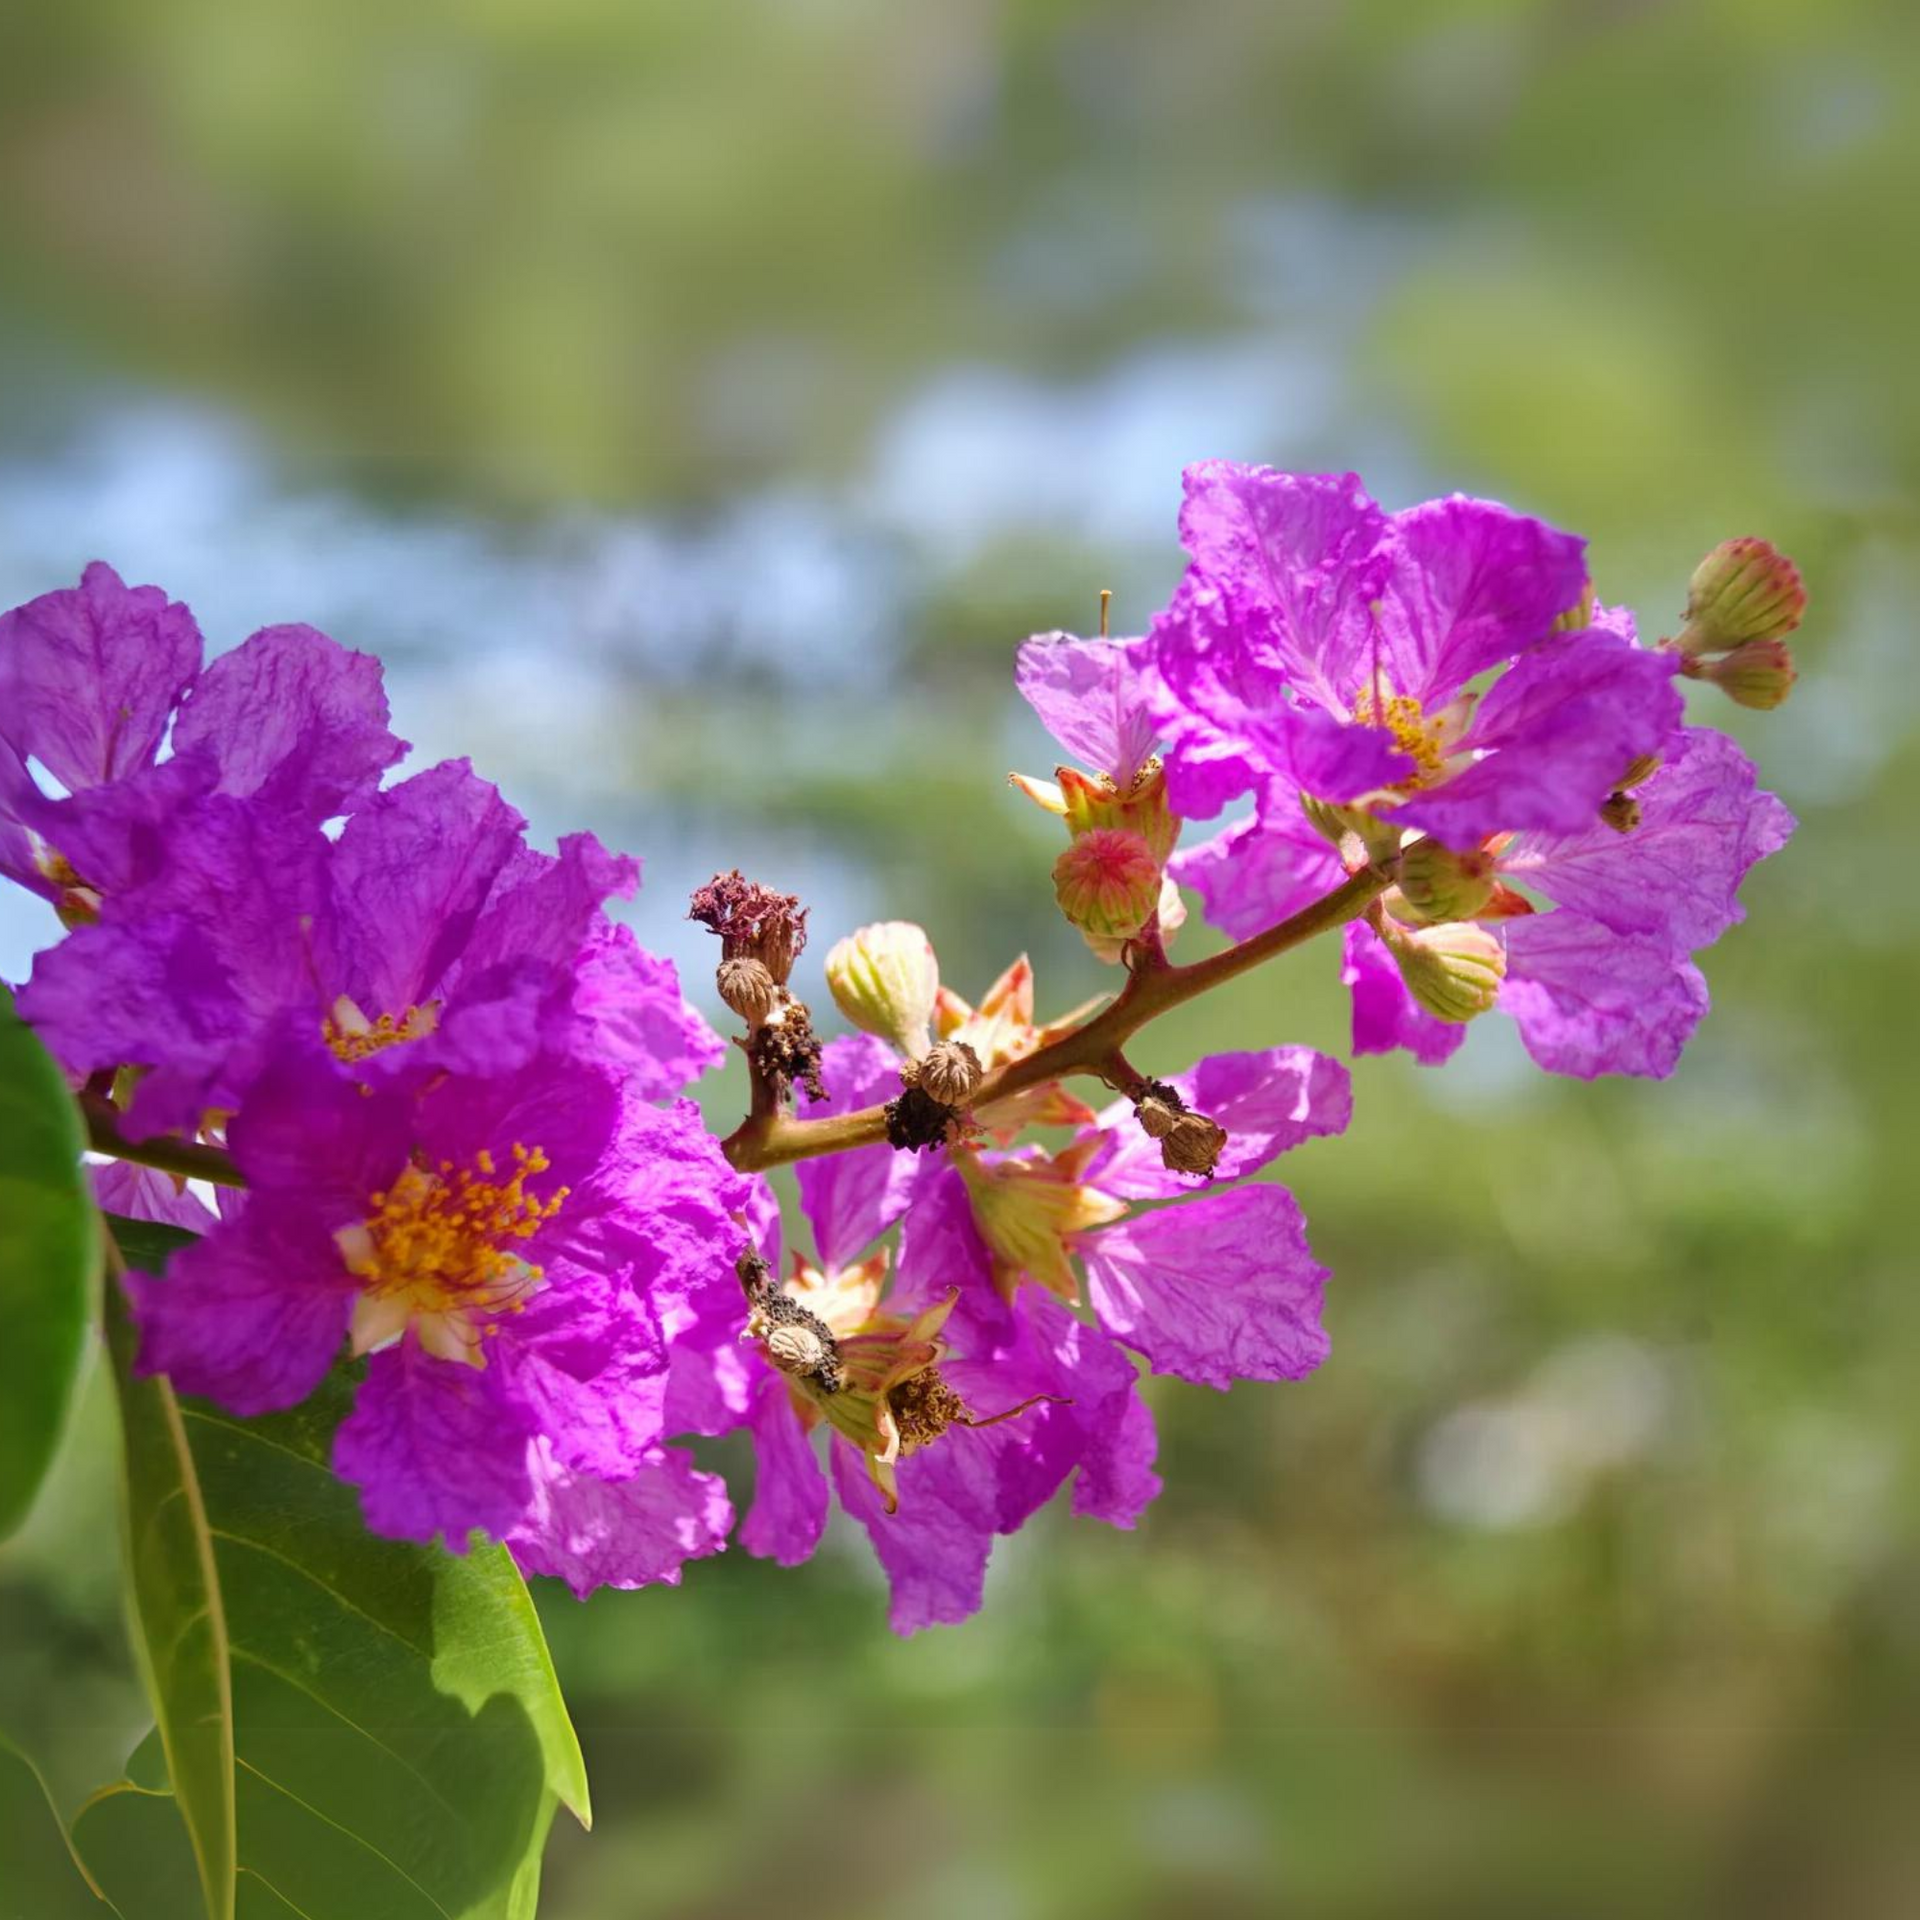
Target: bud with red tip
[(1744, 589), (1108, 883)]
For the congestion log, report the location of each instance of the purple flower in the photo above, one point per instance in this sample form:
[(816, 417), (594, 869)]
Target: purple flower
[(953, 1416), (502, 1247), (1319, 644), (428, 932), (95, 679)]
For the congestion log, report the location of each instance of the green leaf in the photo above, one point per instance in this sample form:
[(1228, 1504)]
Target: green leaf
[(399, 1737), (177, 1613), (44, 1881), (49, 1261), (138, 1853)]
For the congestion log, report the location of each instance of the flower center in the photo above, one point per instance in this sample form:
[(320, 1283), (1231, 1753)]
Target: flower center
[(1421, 739), (352, 1036), (437, 1252)]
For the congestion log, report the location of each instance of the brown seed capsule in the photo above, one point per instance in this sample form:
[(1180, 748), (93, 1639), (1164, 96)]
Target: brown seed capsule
[(1156, 1117), (950, 1073), (1193, 1144), (747, 987), (1620, 811)]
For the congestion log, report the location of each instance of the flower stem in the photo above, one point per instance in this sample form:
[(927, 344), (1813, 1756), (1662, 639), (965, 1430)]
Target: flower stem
[(183, 1158), (776, 1139)]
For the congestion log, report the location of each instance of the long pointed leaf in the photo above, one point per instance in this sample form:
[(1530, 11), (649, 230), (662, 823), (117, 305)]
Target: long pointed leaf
[(178, 1615), (49, 1261), (400, 1739)]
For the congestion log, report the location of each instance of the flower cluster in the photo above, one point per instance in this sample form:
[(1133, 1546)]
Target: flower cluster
[(443, 1087), (446, 1077)]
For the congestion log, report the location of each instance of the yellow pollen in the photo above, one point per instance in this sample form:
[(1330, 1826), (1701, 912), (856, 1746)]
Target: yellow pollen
[(446, 1242), (1413, 733), (352, 1036)]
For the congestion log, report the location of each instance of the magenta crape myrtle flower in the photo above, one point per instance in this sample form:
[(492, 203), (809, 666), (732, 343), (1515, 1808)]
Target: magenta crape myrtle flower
[(957, 1416), (504, 1249), (1320, 644), (96, 681), (428, 932)]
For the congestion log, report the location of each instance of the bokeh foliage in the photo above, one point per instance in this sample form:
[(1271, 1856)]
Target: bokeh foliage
[(1584, 1579)]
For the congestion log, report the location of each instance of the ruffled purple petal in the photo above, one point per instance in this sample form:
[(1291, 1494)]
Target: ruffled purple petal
[(1258, 871), (249, 1317), (789, 1511), (1091, 695), (1703, 823), (1590, 1001), (1229, 723), (633, 1015), (1269, 1102), (1295, 556), (1555, 732), (851, 1199), (315, 1143), (934, 1549), (90, 675), (293, 719), (435, 1449), (1472, 583), (409, 878), (1223, 1288), (940, 1249), (637, 1532), (140, 1193), (1385, 1014), (584, 1363)]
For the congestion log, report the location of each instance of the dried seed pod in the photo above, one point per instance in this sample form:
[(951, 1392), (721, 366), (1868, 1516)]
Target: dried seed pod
[(1193, 1144), (748, 988), (950, 1073)]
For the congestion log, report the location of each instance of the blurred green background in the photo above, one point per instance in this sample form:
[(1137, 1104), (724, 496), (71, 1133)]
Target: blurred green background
[(695, 405)]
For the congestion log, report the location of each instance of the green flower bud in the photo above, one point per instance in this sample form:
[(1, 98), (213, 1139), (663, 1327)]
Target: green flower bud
[(1454, 970), (885, 979), (1439, 883), (1757, 673)]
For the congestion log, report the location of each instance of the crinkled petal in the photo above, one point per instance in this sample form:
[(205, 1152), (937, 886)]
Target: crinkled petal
[(1703, 823), (584, 1362), (293, 719), (1590, 1001), (435, 1448), (1258, 871), (1555, 733), (637, 1532), (1385, 1014), (141, 1193), (934, 1549), (1230, 724), (1091, 695), (789, 1510), (1220, 1289), (90, 675), (317, 1142), (941, 1248), (1295, 555), (409, 878), (1269, 1102), (852, 1198), (1472, 583), (249, 1317), (635, 1017)]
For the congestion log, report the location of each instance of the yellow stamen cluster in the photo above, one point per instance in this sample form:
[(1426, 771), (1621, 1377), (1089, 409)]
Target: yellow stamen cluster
[(352, 1036), (1421, 739), (438, 1250)]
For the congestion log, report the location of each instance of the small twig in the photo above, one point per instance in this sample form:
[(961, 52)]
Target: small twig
[(1094, 1048)]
